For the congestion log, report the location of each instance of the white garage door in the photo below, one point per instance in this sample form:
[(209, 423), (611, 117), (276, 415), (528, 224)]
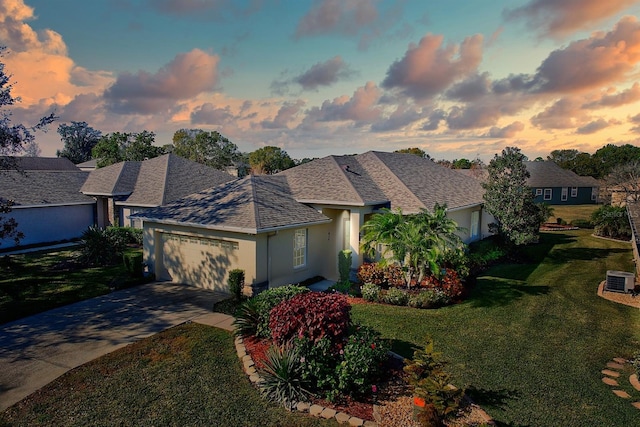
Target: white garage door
[(197, 261)]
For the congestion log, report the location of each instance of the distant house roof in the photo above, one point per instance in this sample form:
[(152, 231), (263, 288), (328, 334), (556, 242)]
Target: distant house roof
[(405, 181), (253, 204), (37, 163), (549, 174), (153, 182), (89, 165), (38, 188)]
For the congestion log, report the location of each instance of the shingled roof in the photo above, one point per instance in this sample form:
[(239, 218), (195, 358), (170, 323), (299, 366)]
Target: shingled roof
[(153, 182), (37, 163), (37, 188), (549, 174), (253, 205), (405, 180)]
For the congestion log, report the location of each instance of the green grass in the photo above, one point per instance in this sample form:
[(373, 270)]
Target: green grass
[(36, 282), (531, 340), (189, 375), (572, 212)]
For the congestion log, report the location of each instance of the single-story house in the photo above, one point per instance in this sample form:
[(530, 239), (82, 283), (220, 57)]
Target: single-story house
[(49, 206), (554, 185), (291, 226), (134, 186)]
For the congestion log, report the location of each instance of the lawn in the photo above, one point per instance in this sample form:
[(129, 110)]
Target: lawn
[(189, 375), (571, 212), (36, 282), (531, 340), (528, 344)]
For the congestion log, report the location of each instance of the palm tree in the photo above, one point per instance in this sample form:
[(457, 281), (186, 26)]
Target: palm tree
[(418, 242)]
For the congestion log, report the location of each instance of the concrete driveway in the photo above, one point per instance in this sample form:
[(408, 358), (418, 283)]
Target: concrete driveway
[(37, 349)]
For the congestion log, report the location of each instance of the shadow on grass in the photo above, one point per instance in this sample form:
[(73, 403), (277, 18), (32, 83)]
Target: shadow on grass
[(562, 256), (492, 292), (403, 348), (494, 399)]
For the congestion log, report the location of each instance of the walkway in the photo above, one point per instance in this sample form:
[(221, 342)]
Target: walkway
[(36, 350)]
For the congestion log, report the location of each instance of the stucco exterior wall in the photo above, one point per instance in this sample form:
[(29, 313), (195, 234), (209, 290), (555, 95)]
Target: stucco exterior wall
[(48, 224)]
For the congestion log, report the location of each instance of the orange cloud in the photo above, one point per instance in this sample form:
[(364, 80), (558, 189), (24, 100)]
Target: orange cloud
[(558, 18)]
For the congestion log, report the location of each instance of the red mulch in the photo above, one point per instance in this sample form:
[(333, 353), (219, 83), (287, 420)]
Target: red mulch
[(363, 409)]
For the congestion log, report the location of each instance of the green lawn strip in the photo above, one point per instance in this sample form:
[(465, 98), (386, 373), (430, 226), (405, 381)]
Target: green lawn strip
[(32, 283), (186, 376), (572, 212), (531, 340)]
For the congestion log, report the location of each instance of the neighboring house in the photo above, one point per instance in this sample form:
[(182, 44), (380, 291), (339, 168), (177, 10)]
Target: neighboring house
[(89, 165), (289, 227), (554, 185), (48, 204), (130, 187)]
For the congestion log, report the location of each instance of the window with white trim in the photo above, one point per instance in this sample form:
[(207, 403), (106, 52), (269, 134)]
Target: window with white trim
[(538, 192), (547, 193), (565, 194), (300, 248), (574, 191)]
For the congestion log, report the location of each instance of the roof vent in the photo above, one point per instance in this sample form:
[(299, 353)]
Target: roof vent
[(620, 281)]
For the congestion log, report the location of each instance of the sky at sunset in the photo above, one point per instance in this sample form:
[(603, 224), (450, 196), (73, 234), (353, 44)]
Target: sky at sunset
[(457, 78)]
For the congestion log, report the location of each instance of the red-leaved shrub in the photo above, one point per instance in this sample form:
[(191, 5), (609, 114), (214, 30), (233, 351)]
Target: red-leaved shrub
[(450, 284), (371, 273), (394, 276), (312, 315)]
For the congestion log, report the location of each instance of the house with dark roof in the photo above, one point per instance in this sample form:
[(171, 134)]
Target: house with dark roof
[(130, 187), (48, 205), (291, 226), (554, 185)]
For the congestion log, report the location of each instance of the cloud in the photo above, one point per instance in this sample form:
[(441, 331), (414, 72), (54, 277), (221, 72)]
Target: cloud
[(557, 18), (636, 120), (472, 88), (186, 76), (361, 108), (209, 114), (627, 96), (563, 114), (204, 10), (434, 119), (337, 16), (593, 127), (429, 68), (508, 131), (320, 74), (402, 116), (20, 37), (286, 114), (604, 58)]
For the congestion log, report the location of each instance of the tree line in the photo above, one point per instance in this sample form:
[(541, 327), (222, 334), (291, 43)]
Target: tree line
[(83, 143)]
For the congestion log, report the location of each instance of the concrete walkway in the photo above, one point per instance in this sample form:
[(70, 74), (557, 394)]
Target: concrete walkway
[(36, 350)]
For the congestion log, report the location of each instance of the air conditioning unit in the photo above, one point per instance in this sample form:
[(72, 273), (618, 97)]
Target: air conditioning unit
[(620, 281)]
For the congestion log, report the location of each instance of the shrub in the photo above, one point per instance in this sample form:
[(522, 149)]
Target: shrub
[(371, 273), (236, 282), (395, 296), (313, 315), (394, 276), (283, 381), (450, 284), (582, 223), (99, 247), (429, 298), (247, 318), (268, 299), (611, 221), (635, 362), (318, 362), (428, 380), (345, 288), (370, 292), (362, 359), (133, 263), (344, 265)]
